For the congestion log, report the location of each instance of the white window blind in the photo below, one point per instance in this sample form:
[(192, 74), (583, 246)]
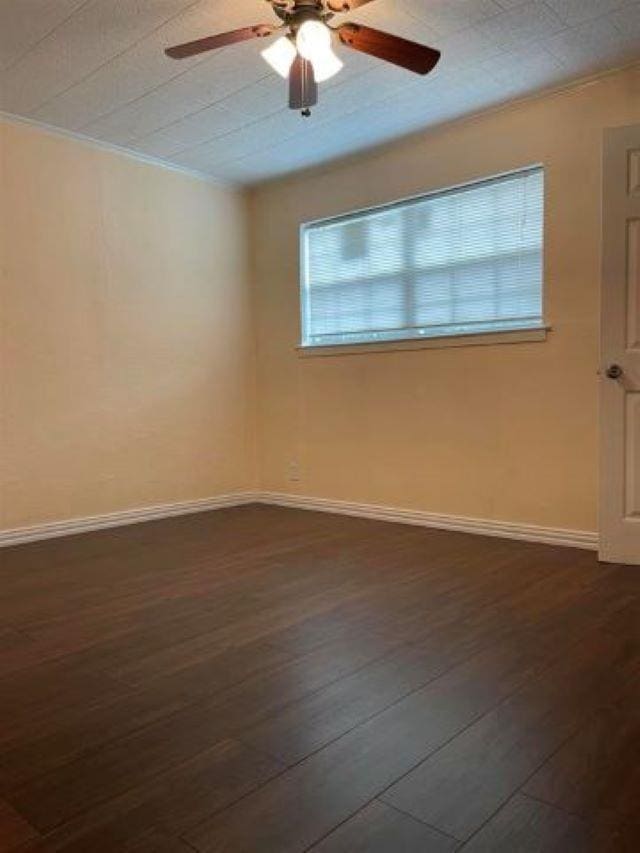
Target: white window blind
[(457, 262)]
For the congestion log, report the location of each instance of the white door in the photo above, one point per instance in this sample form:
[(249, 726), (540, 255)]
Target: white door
[(620, 369)]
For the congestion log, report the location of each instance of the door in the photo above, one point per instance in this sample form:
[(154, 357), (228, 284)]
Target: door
[(620, 373)]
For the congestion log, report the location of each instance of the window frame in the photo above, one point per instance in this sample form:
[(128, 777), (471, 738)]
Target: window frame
[(524, 333)]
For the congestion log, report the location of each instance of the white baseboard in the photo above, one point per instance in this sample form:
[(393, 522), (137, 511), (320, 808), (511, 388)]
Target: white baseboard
[(55, 529), (462, 524)]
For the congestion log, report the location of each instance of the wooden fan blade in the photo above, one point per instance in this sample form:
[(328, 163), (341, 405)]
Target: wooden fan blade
[(345, 5), (303, 89), (407, 54), (192, 48)]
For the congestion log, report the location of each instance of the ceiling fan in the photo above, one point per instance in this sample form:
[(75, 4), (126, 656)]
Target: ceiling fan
[(304, 53)]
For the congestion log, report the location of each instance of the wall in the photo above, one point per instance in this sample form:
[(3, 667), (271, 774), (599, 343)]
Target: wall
[(505, 432), (127, 335), (126, 351)]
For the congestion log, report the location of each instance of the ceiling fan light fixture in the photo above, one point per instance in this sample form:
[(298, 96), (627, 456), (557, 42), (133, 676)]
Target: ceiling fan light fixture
[(280, 56), (305, 54), (313, 41)]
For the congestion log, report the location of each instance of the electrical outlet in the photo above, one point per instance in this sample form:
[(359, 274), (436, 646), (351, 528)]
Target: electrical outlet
[(294, 471)]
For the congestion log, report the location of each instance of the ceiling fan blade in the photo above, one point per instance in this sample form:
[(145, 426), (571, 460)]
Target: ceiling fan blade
[(345, 5), (192, 48), (303, 89), (407, 54)]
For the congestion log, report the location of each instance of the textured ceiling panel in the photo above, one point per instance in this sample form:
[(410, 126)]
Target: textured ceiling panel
[(97, 67), (96, 33), (25, 23), (143, 68)]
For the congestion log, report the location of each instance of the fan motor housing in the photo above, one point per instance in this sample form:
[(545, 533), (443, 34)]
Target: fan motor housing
[(301, 11)]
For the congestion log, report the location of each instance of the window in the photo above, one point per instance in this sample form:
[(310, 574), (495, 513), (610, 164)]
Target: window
[(458, 262)]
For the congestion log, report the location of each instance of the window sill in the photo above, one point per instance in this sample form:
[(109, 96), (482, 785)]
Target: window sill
[(513, 336)]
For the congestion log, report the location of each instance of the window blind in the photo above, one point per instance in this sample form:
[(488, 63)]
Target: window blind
[(461, 261)]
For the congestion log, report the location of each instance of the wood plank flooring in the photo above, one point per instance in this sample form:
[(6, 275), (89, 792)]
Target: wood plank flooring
[(272, 680)]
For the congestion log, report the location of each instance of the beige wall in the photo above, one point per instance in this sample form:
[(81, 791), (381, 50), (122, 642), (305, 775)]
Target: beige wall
[(503, 432), (128, 329), (126, 339)]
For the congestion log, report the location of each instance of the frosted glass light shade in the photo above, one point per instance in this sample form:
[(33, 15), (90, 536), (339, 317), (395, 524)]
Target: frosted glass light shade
[(326, 66), (280, 56), (313, 39), (314, 44)]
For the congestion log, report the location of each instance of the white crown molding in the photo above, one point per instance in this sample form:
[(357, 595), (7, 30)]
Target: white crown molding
[(130, 153), (462, 524), (71, 527)]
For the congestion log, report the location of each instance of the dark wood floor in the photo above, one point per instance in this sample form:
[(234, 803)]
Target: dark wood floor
[(262, 679)]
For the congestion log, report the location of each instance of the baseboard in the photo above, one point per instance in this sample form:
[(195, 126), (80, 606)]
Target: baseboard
[(463, 524), (56, 529)]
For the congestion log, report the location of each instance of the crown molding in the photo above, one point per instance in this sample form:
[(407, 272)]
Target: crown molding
[(112, 148)]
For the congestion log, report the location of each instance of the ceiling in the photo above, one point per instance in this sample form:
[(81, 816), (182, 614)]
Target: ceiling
[(97, 68)]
